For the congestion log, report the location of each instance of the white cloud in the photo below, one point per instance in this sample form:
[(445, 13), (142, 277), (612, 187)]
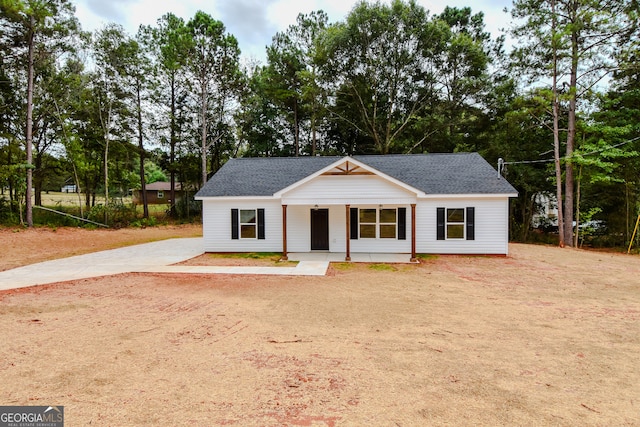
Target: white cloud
[(254, 22)]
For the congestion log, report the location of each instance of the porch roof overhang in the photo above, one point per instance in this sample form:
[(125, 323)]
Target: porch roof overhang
[(348, 166), (347, 201)]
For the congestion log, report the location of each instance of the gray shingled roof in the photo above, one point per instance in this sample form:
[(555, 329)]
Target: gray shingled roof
[(458, 173)]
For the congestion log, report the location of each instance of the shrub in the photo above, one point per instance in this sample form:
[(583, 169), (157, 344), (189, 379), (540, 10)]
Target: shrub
[(115, 214), (8, 212)]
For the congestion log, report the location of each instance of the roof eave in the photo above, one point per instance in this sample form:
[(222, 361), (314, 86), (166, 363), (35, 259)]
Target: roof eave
[(365, 166), (224, 198), (468, 195)]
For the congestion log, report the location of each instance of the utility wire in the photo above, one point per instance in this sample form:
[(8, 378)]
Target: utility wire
[(502, 163)]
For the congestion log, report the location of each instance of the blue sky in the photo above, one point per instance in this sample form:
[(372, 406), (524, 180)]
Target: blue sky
[(254, 22)]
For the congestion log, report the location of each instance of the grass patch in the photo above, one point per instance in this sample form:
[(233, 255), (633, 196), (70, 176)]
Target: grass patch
[(426, 257), (248, 255), (274, 257), (382, 267), (343, 266)]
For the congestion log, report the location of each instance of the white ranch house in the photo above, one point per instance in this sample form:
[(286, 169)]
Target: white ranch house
[(406, 204)]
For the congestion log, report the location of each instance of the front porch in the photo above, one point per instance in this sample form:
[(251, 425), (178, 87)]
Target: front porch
[(378, 258), (331, 233)]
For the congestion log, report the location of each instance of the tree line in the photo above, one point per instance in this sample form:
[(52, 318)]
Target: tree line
[(105, 110)]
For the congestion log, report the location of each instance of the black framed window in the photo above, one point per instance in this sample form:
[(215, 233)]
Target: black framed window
[(455, 223), (382, 223), (247, 224)]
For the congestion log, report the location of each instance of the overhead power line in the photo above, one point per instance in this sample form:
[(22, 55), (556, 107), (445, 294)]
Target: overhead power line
[(502, 163)]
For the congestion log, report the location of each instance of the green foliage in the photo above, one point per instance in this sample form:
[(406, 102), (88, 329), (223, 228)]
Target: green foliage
[(115, 214), (520, 133), (213, 63), (54, 220), (260, 130), (8, 212), (389, 78), (153, 172), (151, 221), (406, 82)]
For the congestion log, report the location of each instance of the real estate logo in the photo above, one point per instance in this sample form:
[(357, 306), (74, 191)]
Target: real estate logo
[(31, 416)]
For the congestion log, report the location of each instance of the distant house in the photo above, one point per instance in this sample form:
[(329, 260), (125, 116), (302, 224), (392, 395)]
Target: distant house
[(68, 188), (158, 193), (433, 203), (546, 211)]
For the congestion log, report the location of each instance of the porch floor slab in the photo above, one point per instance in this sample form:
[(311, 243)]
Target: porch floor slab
[(355, 257)]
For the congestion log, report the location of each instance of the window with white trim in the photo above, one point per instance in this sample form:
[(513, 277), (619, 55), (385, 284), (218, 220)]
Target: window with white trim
[(368, 223), (455, 223), (383, 223), (248, 224), (388, 223)]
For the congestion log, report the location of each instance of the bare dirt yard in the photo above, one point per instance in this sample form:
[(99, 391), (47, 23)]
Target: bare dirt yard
[(20, 246), (545, 336)]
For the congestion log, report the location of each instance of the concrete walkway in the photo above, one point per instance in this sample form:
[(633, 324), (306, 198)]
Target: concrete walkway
[(156, 257), (355, 257)]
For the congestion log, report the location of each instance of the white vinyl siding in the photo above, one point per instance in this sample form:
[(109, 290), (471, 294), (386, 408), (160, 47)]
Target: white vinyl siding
[(216, 225), (491, 226), (348, 190), (299, 228), (299, 232)]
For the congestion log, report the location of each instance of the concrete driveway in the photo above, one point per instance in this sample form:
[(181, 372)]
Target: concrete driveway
[(149, 257)]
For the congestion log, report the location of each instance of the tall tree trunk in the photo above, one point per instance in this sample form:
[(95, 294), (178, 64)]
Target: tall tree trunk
[(106, 128), (78, 189), (106, 178), (106, 169), (143, 183), (38, 179), (203, 118), (556, 127), (571, 135), (576, 235), (314, 144), (29, 129), (296, 127), (87, 197), (172, 147)]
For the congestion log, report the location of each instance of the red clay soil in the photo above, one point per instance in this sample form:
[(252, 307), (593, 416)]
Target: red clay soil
[(545, 336)]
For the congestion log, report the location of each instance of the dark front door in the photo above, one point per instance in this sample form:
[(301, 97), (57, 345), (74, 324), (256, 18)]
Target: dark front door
[(319, 229)]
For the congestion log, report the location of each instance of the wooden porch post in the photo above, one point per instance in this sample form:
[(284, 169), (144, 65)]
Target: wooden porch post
[(413, 233), (285, 256), (348, 257)]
